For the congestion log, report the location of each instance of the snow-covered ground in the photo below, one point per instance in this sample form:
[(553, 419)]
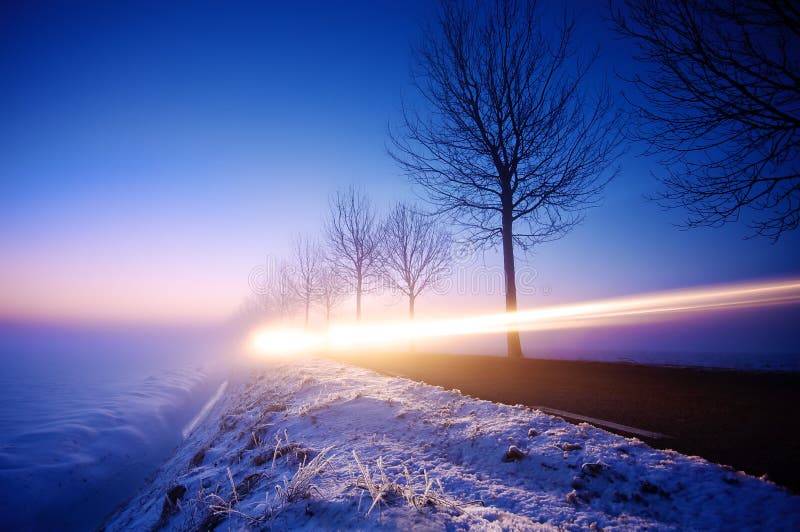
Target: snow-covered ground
[(313, 444)]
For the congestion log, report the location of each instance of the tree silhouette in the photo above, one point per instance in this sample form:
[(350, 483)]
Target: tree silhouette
[(352, 240), (511, 145), (721, 103), (415, 252), (283, 291), (331, 289), (307, 257)]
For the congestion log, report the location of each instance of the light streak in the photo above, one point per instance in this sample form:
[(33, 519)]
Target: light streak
[(606, 312)]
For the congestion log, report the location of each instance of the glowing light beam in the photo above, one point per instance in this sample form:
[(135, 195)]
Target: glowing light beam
[(606, 312)]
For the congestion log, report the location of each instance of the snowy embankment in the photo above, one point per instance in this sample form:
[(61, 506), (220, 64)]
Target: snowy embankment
[(315, 444)]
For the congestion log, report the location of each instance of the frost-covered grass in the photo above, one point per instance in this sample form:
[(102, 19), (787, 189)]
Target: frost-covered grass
[(312, 444)]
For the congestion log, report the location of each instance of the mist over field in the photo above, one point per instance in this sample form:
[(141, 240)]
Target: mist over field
[(88, 412)]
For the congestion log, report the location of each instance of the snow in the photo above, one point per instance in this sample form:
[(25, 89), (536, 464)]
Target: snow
[(314, 444)]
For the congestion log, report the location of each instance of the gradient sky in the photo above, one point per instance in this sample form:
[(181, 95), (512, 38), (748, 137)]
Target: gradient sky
[(150, 156)]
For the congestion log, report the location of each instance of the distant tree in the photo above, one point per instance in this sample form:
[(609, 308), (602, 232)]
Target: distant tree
[(721, 103), (415, 251), (283, 291), (261, 305), (511, 145), (331, 289), (255, 308), (351, 233), (307, 258), (274, 294)]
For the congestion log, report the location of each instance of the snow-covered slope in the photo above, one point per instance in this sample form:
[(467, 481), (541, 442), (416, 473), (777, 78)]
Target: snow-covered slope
[(315, 444)]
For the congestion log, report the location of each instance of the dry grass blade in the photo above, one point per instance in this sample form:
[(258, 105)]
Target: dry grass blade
[(375, 490), (234, 495), (302, 482)]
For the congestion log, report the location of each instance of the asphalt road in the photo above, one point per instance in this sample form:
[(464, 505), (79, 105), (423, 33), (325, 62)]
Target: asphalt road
[(748, 420)]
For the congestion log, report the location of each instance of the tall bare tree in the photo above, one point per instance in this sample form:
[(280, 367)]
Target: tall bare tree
[(511, 144), (721, 103), (307, 258), (415, 251), (352, 237)]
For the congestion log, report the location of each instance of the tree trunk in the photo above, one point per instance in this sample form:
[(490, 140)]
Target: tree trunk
[(358, 298), (308, 304), (514, 346), (411, 300)]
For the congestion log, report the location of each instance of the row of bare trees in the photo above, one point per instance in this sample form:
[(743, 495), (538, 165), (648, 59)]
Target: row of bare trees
[(407, 251), (516, 139)]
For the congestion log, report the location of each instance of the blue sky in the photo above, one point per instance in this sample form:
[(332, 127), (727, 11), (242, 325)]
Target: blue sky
[(150, 155)]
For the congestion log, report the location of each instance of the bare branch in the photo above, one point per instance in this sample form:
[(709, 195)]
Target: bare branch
[(415, 251), (308, 257), (352, 240), (720, 103), (511, 146)]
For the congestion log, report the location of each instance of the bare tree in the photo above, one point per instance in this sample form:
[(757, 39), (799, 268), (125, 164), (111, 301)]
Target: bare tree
[(307, 257), (415, 252), (352, 239), (255, 308), (512, 146), (331, 289), (283, 291), (721, 103)]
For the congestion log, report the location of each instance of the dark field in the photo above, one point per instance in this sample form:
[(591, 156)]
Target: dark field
[(748, 420)]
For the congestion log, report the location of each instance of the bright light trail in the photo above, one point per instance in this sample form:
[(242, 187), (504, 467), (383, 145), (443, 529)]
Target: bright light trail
[(615, 311)]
